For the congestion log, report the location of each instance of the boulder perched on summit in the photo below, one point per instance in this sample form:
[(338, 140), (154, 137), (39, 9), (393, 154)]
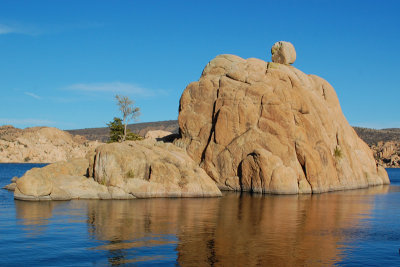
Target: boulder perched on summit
[(267, 127), (283, 52)]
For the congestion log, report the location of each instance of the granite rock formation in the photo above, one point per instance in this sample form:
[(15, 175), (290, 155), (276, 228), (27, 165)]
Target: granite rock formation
[(263, 127), (41, 144), (267, 127), (387, 154), (151, 169), (133, 169)]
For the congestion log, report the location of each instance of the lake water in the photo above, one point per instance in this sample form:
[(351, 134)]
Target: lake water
[(349, 228)]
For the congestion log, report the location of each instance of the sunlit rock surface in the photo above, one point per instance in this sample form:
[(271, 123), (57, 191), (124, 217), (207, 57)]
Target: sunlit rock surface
[(267, 127)]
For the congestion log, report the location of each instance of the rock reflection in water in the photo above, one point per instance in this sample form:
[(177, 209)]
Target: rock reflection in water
[(237, 229), (276, 230), (128, 226), (34, 216)]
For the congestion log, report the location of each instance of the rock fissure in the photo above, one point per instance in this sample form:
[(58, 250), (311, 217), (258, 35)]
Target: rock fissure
[(261, 111), (323, 92)]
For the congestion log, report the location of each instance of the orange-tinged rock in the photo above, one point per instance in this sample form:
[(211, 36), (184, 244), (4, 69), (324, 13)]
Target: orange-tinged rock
[(270, 128)]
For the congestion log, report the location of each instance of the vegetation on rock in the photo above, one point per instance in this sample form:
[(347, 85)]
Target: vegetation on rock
[(118, 131), (338, 153), (128, 110)]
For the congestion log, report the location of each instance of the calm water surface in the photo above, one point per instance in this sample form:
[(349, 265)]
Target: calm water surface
[(351, 228)]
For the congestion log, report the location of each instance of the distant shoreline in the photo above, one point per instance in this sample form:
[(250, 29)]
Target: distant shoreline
[(385, 143)]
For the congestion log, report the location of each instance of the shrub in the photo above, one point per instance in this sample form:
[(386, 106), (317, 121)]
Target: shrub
[(130, 173), (117, 132), (338, 153)]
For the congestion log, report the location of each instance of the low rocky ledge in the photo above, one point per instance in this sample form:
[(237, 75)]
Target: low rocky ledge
[(128, 170)]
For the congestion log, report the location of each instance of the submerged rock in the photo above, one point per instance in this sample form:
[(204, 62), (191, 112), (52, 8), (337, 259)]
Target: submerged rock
[(10, 187), (270, 128)]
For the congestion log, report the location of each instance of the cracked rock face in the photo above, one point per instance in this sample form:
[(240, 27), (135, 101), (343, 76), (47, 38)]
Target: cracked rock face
[(270, 128)]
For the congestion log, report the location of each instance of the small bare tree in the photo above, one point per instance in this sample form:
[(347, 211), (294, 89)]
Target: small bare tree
[(129, 111)]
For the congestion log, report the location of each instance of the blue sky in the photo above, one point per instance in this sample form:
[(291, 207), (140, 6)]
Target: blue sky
[(62, 62)]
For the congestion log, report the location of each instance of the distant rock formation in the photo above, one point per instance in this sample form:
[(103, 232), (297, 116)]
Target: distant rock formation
[(133, 169), (41, 144), (270, 128), (387, 154)]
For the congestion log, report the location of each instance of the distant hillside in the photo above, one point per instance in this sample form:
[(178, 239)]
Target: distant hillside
[(102, 134), (373, 136), (370, 136)]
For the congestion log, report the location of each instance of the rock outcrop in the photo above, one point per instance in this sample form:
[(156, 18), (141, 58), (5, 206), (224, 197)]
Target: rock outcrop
[(41, 145), (133, 169), (387, 154), (269, 128)]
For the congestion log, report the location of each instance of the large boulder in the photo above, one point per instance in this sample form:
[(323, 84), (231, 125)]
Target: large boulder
[(270, 128), (59, 181), (151, 169), (283, 52), (66, 187), (39, 181)]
